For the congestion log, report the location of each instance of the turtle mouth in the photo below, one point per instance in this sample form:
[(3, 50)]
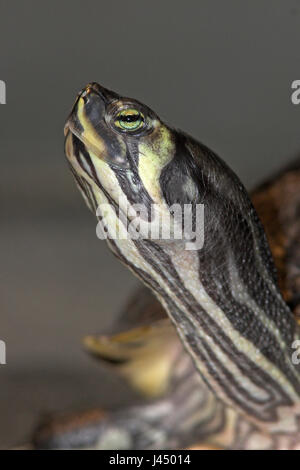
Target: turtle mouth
[(82, 103), (87, 120), (91, 102), (88, 131)]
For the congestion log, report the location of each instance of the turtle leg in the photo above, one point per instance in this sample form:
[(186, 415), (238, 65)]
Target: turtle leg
[(150, 356), (186, 414), (182, 413)]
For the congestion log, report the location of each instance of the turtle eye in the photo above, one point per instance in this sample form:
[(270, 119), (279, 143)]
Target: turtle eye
[(129, 120)]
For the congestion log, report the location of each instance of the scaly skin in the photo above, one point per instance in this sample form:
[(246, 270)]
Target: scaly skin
[(223, 298)]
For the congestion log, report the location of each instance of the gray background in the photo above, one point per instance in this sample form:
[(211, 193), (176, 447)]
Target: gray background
[(220, 70)]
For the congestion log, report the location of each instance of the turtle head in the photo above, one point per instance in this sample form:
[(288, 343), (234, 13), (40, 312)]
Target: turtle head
[(118, 150), (110, 134)]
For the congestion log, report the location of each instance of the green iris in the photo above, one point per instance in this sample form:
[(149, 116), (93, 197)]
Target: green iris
[(129, 119)]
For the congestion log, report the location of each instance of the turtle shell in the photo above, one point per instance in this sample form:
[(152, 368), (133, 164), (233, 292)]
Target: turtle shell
[(277, 202)]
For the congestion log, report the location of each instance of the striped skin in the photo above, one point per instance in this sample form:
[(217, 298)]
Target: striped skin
[(223, 299), (182, 410), (183, 413)]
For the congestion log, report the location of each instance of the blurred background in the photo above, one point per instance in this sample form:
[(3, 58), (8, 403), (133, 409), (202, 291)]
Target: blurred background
[(221, 71)]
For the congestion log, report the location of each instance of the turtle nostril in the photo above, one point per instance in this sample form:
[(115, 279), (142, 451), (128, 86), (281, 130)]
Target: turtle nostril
[(94, 87), (89, 89)]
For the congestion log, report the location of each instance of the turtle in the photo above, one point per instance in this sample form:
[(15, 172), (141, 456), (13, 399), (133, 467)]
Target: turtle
[(211, 337)]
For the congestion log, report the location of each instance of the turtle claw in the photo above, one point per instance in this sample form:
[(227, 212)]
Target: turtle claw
[(69, 431)]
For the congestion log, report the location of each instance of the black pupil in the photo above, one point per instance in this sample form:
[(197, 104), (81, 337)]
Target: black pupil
[(130, 117)]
